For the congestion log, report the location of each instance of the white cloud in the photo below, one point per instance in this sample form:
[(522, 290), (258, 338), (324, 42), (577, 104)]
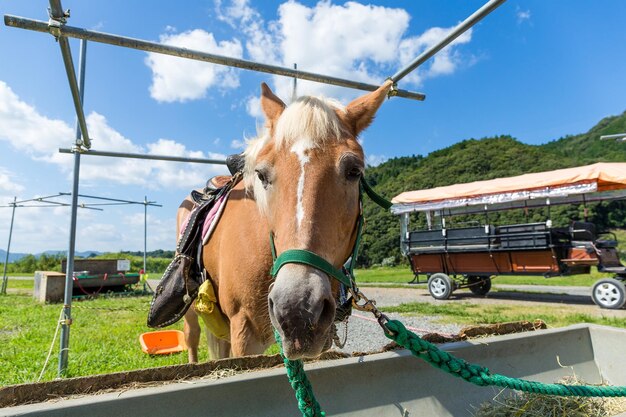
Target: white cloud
[(161, 233), (522, 15), (149, 174), (104, 232), (375, 160), (181, 175), (360, 42), (25, 129), (253, 107), (238, 10), (445, 62), (28, 131), (351, 41), (7, 184), (178, 79), (238, 144)]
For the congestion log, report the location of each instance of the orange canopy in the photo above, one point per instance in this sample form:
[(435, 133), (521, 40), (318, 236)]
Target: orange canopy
[(598, 177)]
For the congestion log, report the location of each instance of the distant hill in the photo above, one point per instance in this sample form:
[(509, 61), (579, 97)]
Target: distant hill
[(158, 253), (12, 256), (17, 256), (483, 159)]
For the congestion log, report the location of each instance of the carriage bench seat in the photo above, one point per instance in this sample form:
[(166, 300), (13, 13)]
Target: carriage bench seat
[(619, 270), (606, 243)]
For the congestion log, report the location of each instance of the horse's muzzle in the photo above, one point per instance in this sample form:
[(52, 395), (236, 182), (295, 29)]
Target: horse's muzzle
[(302, 309)]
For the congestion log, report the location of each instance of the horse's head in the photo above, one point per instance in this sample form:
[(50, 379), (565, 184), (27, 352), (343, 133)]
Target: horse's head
[(304, 173)]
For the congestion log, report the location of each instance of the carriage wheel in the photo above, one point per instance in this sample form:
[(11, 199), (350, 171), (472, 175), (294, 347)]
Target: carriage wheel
[(609, 293), (479, 285), (440, 286)]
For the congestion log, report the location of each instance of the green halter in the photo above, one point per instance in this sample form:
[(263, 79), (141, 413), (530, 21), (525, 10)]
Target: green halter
[(302, 256)]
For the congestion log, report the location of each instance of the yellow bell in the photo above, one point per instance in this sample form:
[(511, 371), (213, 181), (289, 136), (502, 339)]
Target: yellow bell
[(209, 310)]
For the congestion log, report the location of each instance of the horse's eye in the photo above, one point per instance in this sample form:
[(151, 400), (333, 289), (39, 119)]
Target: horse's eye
[(262, 177), (354, 173)]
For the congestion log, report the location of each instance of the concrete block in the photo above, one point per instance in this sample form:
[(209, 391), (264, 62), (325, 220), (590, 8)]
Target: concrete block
[(49, 286)]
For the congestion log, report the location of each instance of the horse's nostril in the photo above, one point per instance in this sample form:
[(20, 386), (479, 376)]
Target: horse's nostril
[(328, 311)]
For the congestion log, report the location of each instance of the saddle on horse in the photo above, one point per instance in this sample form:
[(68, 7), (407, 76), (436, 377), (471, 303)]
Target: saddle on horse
[(185, 276)]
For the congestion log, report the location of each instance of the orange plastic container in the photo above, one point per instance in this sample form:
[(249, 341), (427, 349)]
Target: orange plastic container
[(162, 342)]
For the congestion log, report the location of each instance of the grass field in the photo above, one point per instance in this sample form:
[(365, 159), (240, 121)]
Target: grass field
[(471, 313), (105, 332), (104, 337)]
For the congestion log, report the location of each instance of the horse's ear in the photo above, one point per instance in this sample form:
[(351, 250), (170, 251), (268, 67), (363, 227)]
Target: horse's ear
[(360, 112), (271, 105)]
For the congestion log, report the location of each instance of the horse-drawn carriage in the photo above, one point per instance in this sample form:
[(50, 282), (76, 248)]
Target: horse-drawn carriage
[(469, 256)]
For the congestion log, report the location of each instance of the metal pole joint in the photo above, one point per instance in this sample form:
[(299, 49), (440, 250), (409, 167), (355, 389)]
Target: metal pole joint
[(60, 19), (56, 22), (393, 91)]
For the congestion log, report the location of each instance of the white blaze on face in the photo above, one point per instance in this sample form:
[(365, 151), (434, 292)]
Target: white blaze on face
[(300, 148)]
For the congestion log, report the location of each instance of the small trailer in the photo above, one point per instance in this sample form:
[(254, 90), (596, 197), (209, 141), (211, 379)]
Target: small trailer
[(454, 257)]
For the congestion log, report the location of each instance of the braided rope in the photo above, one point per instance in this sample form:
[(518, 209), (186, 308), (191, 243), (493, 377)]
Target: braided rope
[(308, 405), (481, 376)]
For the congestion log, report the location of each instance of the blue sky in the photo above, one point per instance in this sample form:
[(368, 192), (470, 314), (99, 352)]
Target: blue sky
[(536, 70)]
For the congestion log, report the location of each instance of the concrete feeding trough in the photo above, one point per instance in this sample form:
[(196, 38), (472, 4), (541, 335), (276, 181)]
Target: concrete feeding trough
[(386, 384)]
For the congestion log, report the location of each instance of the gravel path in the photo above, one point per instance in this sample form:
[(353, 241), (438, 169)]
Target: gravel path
[(365, 334)]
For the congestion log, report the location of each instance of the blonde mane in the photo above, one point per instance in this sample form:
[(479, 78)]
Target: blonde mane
[(312, 120)]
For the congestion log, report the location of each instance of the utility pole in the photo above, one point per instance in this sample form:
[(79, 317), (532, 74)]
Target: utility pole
[(6, 260)]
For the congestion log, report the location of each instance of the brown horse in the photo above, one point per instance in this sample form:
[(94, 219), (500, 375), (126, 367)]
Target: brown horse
[(301, 183)]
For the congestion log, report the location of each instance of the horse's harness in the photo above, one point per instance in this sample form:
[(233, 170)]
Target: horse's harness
[(345, 275)]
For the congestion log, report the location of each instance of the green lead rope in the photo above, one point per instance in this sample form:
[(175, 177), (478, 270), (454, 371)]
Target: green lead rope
[(481, 376), (308, 405)]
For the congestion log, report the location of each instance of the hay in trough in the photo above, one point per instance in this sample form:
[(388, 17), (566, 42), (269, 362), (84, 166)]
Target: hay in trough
[(539, 405)]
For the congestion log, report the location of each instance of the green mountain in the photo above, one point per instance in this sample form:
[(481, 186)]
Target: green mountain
[(488, 158)]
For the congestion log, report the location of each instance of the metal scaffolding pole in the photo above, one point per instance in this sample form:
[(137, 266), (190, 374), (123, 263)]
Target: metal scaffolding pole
[(6, 259), (294, 92), (145, 156), (69, 272), (455, 33), (90, 35), (117, 200), (58, 18), (145, 237)]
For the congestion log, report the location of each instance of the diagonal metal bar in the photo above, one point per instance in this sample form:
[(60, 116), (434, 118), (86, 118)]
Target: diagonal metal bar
[(39, 198), (133, 43), (118, 200), (57, 21), (455, 33)]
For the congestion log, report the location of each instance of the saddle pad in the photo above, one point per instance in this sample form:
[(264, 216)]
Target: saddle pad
[(211, 218)]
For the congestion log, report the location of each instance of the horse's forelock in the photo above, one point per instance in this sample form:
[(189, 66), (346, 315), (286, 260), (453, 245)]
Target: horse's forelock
[(313, 120), (310, 119)]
